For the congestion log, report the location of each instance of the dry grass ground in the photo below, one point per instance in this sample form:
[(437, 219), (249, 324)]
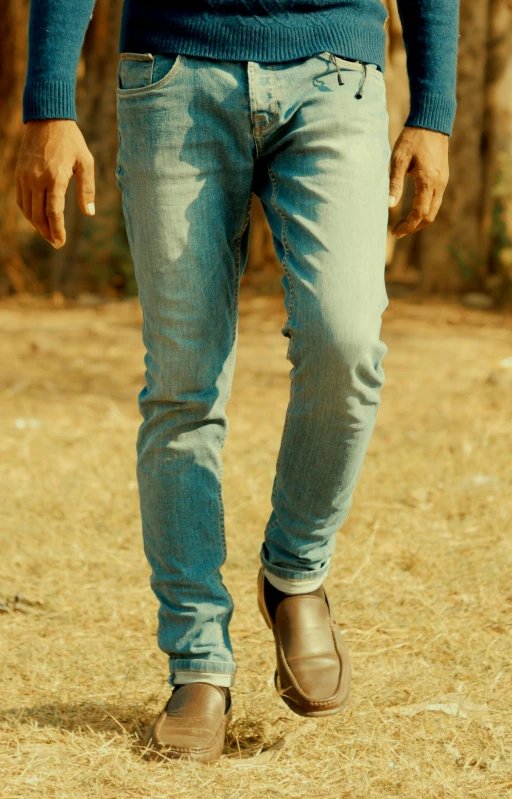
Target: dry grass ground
[(421, 586)]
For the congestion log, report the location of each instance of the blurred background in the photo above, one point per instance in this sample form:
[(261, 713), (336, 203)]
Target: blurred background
[(468, 251)]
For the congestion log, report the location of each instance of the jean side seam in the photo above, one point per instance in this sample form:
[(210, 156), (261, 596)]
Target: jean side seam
[(234, 311), (284, 225)]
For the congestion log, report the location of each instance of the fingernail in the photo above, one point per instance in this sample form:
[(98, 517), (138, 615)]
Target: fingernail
[(392, 201), (91, 209)]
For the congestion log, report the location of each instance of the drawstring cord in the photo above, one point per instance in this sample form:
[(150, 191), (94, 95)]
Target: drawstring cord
[(361, 83), (360, 89), (334, 61)]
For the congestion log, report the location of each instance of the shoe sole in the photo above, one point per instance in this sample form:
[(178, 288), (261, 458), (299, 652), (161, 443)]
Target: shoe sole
[(316, 714)]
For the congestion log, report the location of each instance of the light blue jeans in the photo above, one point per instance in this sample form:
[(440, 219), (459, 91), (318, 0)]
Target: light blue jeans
[(196, 138)]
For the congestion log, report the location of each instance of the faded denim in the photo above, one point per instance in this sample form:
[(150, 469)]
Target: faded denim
[(196, 137)]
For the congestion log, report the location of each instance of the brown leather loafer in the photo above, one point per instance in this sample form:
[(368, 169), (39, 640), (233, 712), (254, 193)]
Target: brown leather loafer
[(192, 725), (313, 665)]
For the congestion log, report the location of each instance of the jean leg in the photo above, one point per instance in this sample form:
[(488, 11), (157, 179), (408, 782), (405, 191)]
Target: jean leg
[(185, 170), (326, 200)]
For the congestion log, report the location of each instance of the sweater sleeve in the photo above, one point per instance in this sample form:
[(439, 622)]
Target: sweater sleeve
[(431, 32), (56, 34)]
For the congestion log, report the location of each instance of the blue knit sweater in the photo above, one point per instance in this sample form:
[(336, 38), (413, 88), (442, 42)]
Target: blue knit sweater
[(252, 30)]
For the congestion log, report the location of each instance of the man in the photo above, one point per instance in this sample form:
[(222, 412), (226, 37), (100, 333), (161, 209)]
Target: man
[(217, 101)]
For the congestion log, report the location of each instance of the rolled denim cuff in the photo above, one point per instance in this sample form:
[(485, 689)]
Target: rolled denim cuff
[(294, 581), (294, 586), (187, 677), (187, 671)]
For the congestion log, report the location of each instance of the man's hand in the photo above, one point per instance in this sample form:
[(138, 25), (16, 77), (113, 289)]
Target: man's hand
[(423, 154), (51, 151)]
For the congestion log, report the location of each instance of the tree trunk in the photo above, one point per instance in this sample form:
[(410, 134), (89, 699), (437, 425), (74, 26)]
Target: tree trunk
[(451, 252), (14, 274), (497, 153)]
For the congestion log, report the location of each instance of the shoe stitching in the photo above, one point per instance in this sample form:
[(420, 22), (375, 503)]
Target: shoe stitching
[(333, 700), (295, 685), (163, 748), (342, 658), (190, 749), (158, 744)]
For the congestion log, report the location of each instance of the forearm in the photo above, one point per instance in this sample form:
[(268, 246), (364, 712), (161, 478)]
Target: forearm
[(430, 29), (56, 33)]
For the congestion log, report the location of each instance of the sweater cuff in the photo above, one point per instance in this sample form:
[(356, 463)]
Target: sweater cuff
[(49, 100), (432, 111)]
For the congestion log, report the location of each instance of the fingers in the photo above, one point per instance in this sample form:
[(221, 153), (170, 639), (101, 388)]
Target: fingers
[(39, 219), (51, 152), (55, 202), (19, 193), (437, 199), (427, 202), (423, 154), (42, 204), (84, 171), (26, 202), (399, 168), (421, 207)]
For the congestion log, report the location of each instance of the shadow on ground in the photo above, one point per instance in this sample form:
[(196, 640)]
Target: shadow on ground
[(245, 736)]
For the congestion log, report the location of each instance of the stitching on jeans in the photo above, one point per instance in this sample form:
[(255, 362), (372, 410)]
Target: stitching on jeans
[(322, 573), (252, 106), (212, 670), (275, 101), (142, 90), (238, 250), (284, 224)]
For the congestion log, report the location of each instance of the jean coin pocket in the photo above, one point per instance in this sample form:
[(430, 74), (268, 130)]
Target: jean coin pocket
[(138, 72)]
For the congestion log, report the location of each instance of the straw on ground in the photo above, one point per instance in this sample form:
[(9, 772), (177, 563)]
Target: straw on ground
[(421, 584)]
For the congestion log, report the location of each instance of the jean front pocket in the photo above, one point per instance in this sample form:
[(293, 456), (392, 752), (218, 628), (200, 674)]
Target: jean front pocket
[(139, 73)]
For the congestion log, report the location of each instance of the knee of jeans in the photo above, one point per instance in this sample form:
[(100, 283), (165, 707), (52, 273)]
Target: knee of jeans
[(171, 396), (348, 357)]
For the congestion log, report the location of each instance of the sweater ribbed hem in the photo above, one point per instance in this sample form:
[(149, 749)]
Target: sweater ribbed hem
[(432, 111), (209, 39), (49, 100)]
